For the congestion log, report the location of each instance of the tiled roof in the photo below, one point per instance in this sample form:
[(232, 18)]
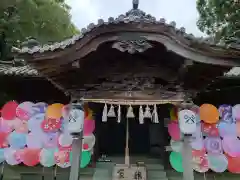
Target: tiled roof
[(234, 72), (132, 16), (18, 71)]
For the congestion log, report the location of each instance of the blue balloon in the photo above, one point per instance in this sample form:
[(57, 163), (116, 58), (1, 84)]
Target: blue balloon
[(17, 140), (2, 158)]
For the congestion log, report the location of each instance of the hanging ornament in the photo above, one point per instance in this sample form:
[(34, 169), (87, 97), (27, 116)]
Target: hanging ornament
[(111, 112), (155, 114), (104, 114), (130, 113), (147, 113), (141, 116), (119, 114)]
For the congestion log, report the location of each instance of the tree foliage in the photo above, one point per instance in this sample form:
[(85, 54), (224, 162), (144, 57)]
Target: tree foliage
[(219, 18), (45, 20)]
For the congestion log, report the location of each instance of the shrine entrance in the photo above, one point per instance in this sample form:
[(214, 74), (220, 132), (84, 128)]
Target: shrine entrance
[(112, 135), (145, 139), (139, 138)]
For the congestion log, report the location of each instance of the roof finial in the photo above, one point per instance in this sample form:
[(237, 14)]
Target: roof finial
[(135, 4)]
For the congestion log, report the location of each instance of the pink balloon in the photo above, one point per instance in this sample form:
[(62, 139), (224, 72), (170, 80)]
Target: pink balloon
[(231, 145), (174, 131), (5, 126), (89, 126), (25, 110), (21, 126)]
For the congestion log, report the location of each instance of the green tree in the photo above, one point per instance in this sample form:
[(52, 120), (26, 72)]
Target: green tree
[(219, 18), (45, 20)]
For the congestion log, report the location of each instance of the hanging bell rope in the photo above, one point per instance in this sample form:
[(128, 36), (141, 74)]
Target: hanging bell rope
[(141, 115), (104, 114), (119, 114), (155, 115), (147, 113), (111, 112), (130, 113)]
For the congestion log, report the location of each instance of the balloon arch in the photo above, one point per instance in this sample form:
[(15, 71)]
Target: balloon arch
[(36, 133), (215, 142)]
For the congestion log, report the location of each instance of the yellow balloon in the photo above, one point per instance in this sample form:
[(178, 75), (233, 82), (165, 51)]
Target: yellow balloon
[(173, 114), (90, 114), (54, 111)]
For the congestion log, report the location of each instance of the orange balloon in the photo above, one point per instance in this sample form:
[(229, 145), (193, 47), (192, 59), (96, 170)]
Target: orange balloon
[(209, 113), (54, 111)]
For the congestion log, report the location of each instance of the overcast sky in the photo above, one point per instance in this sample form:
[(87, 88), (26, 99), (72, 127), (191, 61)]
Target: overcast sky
[(183, 12)]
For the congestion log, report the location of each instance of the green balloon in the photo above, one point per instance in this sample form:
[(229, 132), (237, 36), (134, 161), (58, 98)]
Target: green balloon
[(85, 158), (176, 161)]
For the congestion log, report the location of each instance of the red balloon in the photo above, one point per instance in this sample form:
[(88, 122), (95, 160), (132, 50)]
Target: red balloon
[(51, 125), (9, 110), (85, 146), (233, 164), (31, 156), (210, 129)]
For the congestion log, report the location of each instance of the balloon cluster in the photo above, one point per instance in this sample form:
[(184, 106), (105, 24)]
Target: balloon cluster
[(215, 144), (33, 133)]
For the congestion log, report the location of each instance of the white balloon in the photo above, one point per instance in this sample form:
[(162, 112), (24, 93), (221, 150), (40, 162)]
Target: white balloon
[(65, 140), (90, 141), (9, 155), (187, 121), (176, 146), (76, 120)]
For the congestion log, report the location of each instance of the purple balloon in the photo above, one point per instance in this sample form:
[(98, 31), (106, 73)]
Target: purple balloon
[(34, 140), (225, 112), (213, 145), (40, 107), (50, 140)]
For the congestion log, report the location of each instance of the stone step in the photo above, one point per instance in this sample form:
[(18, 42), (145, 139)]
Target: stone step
[(155, 174), (154, 167), (156, 171), (101, 174), (104, 165), (173, 175)]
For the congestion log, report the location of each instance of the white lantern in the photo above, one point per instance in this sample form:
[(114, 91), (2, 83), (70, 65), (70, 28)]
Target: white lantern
[(187, 121), (75, 120)]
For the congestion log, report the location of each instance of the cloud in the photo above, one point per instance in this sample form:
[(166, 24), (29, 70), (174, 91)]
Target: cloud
[(183, 12)]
